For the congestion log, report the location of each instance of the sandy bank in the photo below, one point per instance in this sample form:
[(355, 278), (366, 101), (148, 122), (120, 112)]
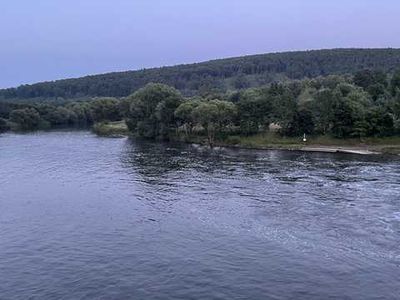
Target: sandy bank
[(340, 150)]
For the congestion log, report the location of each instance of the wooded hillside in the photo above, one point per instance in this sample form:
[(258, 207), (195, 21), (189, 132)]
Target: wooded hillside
[(218, 75)]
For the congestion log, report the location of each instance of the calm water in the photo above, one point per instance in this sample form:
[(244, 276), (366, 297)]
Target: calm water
[(83, 217)]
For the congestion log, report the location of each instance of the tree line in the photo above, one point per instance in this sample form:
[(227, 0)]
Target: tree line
[(220, 76), (366, 104), (32, 116)]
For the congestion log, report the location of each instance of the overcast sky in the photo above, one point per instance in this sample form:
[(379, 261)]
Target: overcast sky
[(53, 39)]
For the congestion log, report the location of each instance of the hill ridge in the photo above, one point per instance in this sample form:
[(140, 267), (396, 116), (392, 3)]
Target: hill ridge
[(221, 74)]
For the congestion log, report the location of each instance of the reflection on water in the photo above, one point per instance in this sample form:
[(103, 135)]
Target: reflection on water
[(88, 217)]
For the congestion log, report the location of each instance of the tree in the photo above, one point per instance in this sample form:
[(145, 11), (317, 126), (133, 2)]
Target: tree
[(81, 113), (226, 113), (26, 118), (349, 112), (218, 75), (5, 109), (165, 113), (105, 109), (322, 110), (372, 81), (301, 123), (395, 82), (253, 110), (59, 116), (380, 122), (214, 116), (367, 78), (184, 114), (240, 82), (284, 105), (3, 125), (152, 108), (206, 115)]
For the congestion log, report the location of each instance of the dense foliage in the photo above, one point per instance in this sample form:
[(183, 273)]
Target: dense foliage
[(367, 104), (151, 110), (223, 75), (46, 115), (3, 125), (232, 97)]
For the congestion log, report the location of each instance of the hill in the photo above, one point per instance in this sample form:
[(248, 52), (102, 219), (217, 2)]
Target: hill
[(217, 75)]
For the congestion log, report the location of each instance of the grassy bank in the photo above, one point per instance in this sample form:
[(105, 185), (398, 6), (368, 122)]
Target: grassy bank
[(389, 145), (111, 129)]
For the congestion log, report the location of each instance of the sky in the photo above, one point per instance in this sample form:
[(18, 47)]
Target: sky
[(53, 39)]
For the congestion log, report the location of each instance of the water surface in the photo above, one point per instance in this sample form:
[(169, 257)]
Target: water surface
[(83, 217)]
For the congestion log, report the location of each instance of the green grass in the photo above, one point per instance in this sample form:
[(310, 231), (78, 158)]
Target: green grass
[(264, 141), (275, 139), (111, 129), (389, 145), (370, 141)]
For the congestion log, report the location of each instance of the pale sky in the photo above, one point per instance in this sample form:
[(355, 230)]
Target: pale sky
[(53, 39)]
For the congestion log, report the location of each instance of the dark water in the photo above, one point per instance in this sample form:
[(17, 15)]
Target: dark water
[(83, 217)]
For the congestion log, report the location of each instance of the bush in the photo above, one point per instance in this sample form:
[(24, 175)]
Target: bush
[(4, 125), (233, 140), (26, 118), (110, 129)]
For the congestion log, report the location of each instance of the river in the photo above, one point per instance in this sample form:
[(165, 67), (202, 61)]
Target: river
[(84, 217)]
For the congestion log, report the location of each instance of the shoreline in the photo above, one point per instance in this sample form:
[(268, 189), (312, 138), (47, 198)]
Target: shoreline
[(310, 149), (381, 147), (324, 144), (358, 151), (365, 150), (370, 150), (319, 144)]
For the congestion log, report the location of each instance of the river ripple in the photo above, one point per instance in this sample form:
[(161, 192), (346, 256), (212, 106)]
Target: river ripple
[(83, 217)]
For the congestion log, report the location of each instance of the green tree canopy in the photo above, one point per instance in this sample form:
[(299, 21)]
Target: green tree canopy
[(26, 118), (3, 125), (152, 108)]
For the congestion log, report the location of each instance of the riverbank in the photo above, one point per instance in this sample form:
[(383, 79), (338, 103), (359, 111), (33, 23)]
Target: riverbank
[(360, 150), (271, 141), (325, 144), (111, 129)]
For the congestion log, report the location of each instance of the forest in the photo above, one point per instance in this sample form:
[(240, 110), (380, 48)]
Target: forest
[(366, 104), (217, 76), (47, 115), (342, 106)]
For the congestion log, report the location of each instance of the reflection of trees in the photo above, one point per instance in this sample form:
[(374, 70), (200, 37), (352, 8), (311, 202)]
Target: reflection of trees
[(153, 159), (157, 160), (173, 164)]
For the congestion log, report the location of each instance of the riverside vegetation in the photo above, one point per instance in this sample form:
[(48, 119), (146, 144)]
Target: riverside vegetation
[(363, 107)]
